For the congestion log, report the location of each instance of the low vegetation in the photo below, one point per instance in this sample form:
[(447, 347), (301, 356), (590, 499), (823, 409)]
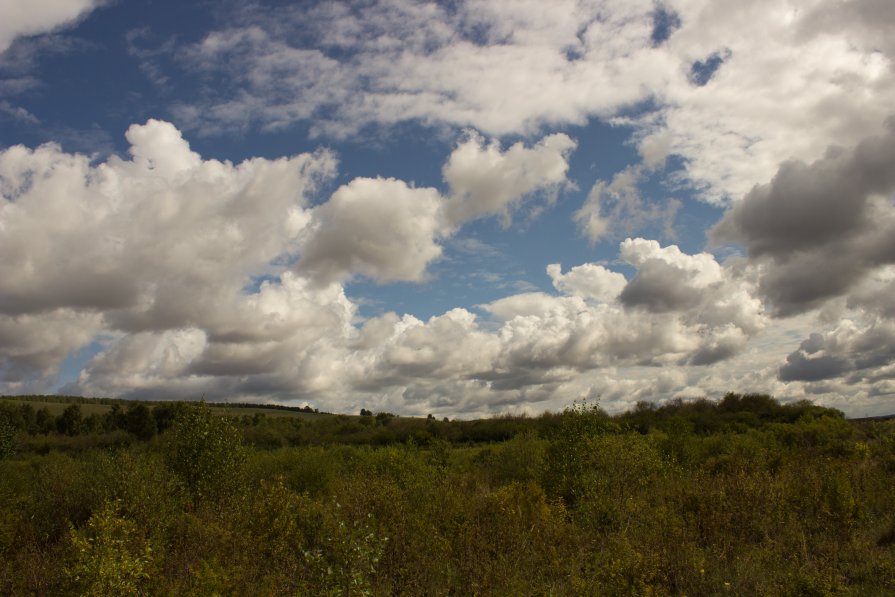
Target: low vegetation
[(744, 496)]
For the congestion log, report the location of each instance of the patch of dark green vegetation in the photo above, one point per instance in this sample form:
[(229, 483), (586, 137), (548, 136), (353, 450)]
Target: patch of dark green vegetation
[(742, 496)]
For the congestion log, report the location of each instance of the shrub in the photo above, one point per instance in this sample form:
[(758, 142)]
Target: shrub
[(110, 555), (140, 421), (204, 451), (7, 439), (568, 456), (71, 420)]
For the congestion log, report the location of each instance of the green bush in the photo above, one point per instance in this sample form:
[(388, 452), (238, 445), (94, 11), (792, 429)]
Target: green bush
[(110, 556), (204, 451), (8, 443)]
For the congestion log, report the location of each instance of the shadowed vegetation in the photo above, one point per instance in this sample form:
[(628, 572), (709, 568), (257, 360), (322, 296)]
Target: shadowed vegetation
[(744, 496)]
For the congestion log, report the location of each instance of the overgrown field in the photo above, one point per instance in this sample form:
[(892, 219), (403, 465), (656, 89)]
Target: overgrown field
[(740, 497)]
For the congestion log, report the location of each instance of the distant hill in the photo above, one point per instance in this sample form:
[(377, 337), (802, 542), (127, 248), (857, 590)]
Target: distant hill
[(56, 404)]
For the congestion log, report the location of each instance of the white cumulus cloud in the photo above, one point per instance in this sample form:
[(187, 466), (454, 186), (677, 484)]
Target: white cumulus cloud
[(690, 76), (22, 18)]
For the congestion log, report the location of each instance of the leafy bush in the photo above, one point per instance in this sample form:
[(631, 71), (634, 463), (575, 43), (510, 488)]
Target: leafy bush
[(8, 444), (70, 421), (205, 453), (110, 556)]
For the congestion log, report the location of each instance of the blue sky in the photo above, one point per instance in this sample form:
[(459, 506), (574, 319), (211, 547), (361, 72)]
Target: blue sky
[(460, 208)]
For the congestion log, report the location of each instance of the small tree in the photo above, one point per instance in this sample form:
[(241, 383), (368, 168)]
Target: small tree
[(114, 418), (45, 421), (569, 454), (29, 418), (204, 451), (140, 422), (111, 556), (7, 439), (165, 415), (70, 421)]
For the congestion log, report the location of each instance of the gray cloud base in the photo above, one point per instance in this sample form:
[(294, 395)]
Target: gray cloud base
[(817, 229)]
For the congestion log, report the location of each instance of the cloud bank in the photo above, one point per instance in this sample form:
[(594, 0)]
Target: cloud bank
[(690, 76), (191, 275), (206, 277)]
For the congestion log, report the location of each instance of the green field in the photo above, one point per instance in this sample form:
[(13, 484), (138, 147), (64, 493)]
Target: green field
[(57, 404), (56, 407)]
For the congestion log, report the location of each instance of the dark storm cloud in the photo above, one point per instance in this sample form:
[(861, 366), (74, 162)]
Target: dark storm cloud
[(715, 352), (850, 351), (819, 228), (801, 368), (81, 290)]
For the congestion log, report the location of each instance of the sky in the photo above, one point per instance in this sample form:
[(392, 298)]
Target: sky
[(461, 208)]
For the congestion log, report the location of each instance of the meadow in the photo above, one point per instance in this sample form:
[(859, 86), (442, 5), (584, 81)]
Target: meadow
[(741, 496)]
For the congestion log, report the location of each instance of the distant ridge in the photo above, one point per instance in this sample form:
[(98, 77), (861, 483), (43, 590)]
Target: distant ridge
[(876, 418)]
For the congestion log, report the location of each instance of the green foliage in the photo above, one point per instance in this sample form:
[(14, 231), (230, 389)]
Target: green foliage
[(140, 421), (569, 452), (110, 556), (43, 421), (345, 559), (142, 485), (741, 497), (8, 444), (63, 492), (70, 421), (165, 415), (520, 459), (204, 451)]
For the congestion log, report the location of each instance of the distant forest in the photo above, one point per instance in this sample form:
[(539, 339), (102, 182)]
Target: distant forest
[(740, 496)]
